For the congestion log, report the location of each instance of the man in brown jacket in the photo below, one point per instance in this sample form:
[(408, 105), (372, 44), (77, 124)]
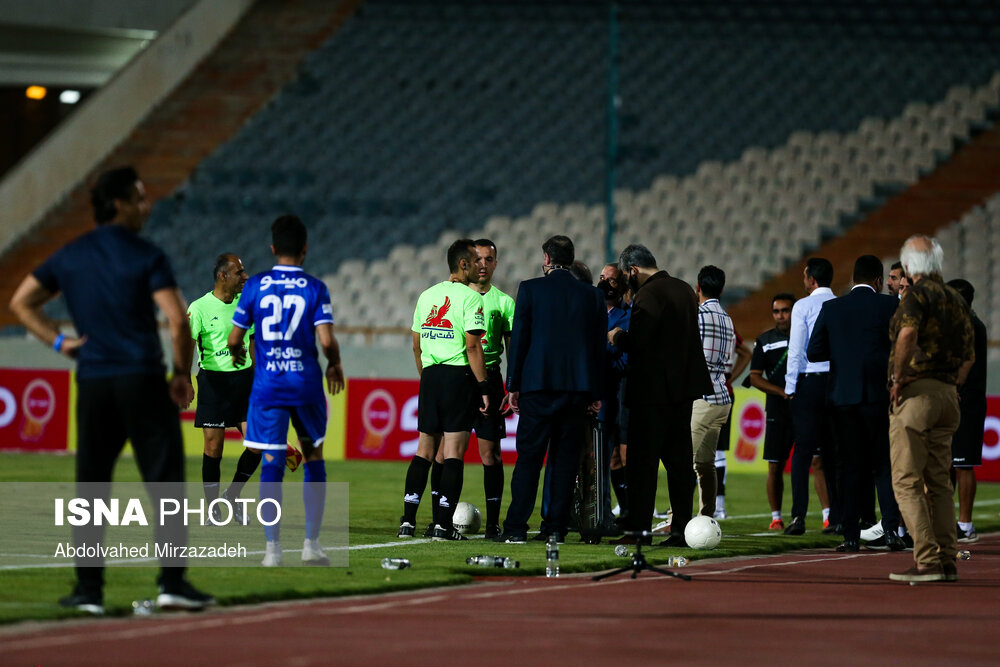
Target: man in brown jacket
[(666, 373), (932, 351)]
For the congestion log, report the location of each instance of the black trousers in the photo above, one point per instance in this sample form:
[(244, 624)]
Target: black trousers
[(861, 437), (554, 422), (660, 433), (109, 411), (811, 423)]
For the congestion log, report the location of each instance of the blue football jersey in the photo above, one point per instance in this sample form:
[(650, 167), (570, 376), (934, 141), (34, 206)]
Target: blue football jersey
[(285, 304)]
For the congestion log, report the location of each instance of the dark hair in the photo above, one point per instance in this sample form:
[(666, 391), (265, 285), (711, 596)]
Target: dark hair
[(111, 185), (486, 243), (221, 262), (288, 236), (560, 250), (711, 281), (783, 296), (459, 250), (636, 255), (581, 272), (820, 270), (867, 269), (963, 287), (897, 266)]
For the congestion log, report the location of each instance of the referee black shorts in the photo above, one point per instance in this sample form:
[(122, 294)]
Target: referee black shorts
[(448, 401), (967, 443), (223, 398), (492, 426), (778, 439)]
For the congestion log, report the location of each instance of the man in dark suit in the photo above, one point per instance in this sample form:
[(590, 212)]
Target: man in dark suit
[(554, 373), (851, 333), (666, 372)]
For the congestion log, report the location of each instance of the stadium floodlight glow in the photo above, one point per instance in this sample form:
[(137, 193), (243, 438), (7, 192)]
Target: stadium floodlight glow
[(69, 96), (36, 92)]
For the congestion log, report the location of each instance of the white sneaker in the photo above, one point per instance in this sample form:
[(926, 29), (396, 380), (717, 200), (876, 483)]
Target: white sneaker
[(720, 514), (662, 528), (873, 533), (272, 555), (662, 515), (312, 554)]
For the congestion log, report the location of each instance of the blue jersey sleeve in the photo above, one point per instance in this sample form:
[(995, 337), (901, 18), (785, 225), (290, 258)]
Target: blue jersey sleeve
[(244, 313), (324, 309)]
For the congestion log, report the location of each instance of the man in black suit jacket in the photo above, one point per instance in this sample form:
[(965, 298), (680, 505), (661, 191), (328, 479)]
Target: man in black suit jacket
[(666, 372), (554, 373), (852, 333)]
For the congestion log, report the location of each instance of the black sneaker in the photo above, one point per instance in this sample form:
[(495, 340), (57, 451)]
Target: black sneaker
[(442, 534), (492, 531), (183, 596), (430, 530), (88, 602), (544, 537), (879, 544), (796, 527), (406, 529), (508, 537)]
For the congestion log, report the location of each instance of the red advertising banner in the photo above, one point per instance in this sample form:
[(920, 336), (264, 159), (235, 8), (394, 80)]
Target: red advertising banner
[(990, 470), (382, 422), (34, 409)]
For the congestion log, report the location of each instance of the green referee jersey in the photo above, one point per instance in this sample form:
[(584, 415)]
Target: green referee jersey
[(444, 313), (211, 321), (499, 310)]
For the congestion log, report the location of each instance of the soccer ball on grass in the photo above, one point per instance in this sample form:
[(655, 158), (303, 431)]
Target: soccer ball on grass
[(467, 518), (702, 532)]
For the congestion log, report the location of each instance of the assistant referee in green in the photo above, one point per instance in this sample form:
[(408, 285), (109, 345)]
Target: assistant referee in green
[(223, 386)]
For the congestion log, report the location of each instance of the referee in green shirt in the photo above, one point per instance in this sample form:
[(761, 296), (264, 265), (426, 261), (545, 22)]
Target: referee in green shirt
[(491, 427), (223, 386), (448, 324)]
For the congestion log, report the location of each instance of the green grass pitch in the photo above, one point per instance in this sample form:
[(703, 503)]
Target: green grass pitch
[(375, 507)]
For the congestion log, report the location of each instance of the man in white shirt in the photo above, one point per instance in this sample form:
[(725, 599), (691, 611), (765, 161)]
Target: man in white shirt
[(806, 384)]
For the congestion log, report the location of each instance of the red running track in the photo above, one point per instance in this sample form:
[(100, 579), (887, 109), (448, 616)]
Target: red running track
[(810, 607)]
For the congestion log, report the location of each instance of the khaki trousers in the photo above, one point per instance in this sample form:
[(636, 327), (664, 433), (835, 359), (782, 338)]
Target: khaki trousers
[(920, 433), (707, 421)]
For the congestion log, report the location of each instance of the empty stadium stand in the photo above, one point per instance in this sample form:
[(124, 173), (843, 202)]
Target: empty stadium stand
[(750, 133)]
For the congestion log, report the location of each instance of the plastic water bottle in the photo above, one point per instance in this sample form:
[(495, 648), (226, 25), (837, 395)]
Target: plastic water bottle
[(395, 563), (143, 607), (964, 554), (622, 550), (493, 561), (677, 561), (552, 556)]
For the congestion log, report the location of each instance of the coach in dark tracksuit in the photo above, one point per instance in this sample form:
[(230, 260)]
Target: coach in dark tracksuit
[(666, 372), (554, 372), (852, 333)]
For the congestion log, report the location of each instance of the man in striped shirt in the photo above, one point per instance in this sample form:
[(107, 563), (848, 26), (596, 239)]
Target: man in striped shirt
[(710, 412)]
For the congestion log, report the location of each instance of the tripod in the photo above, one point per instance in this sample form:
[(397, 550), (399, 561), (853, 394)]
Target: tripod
[(639, 561)]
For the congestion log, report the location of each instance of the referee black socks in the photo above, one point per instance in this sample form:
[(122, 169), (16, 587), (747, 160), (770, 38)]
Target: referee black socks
[(413, 488), (245, 469), (451, 490), (493, 486), (436, 470), (211, 473), (620, 486)]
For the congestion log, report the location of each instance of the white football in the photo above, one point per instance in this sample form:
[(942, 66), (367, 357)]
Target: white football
[(467, 518), (702, 532)]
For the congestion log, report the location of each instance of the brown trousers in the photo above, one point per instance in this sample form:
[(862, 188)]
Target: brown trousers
[(920, 433)]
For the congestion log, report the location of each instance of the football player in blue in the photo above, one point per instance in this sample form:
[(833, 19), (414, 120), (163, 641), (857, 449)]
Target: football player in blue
[(289, 309)]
